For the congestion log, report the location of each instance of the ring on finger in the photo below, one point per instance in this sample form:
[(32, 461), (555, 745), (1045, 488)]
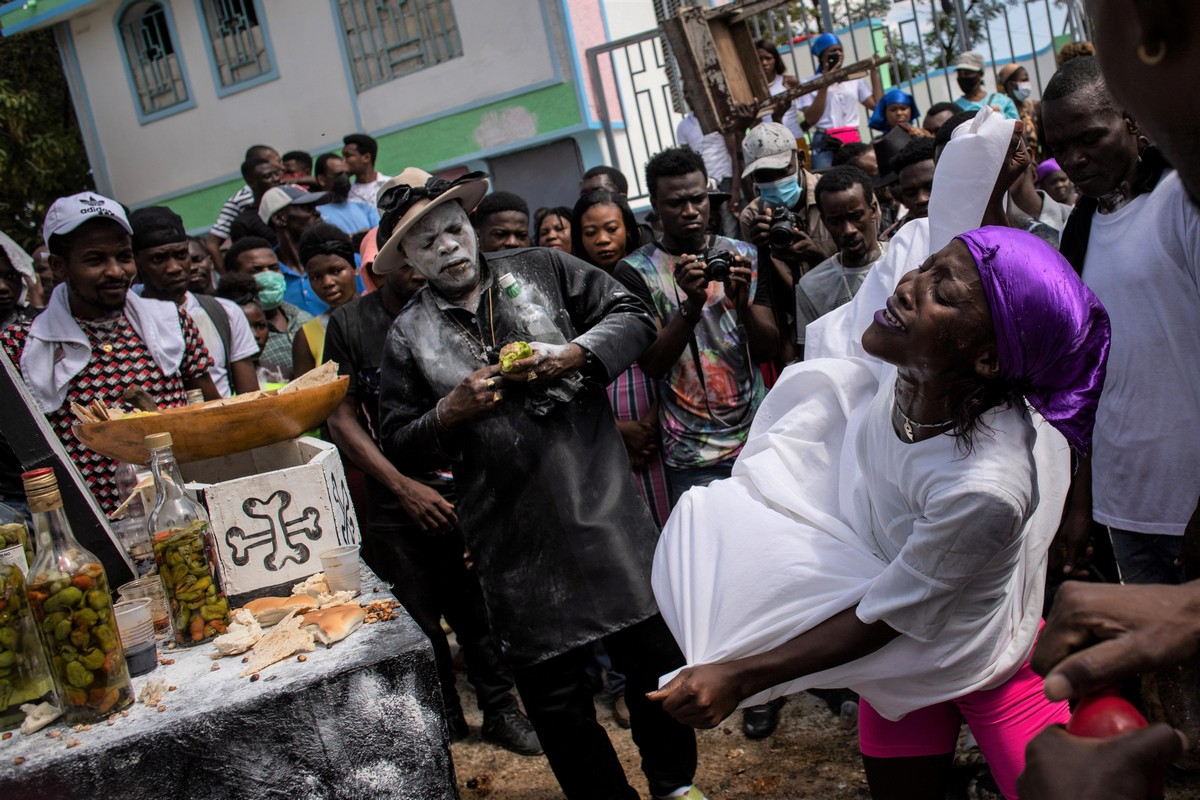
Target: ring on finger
[(496, 397), (490, 384), (532, 375)]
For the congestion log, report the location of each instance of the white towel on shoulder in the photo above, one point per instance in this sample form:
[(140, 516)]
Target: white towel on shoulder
[(57, 349)]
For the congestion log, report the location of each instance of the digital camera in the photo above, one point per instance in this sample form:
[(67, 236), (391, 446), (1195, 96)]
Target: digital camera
[(783, 228), (717, 263)]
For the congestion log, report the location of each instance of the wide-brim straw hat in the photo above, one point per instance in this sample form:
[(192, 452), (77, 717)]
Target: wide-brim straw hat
[(413, 202)]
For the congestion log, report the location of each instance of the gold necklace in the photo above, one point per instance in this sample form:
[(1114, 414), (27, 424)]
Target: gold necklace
[(472, 339), (104, 331)]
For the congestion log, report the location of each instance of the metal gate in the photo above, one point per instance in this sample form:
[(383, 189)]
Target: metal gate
[(639, 101)]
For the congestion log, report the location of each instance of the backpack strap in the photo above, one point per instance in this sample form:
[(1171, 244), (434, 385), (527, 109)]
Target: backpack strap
[(220, 320)]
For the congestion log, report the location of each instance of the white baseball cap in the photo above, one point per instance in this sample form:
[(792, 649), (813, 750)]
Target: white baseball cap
[(68, 213), (768, 146)]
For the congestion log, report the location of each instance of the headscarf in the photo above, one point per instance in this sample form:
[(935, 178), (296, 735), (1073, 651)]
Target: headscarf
[(1045, 168), (820, 45), (891, 97), (22, 262), (1052, 334)]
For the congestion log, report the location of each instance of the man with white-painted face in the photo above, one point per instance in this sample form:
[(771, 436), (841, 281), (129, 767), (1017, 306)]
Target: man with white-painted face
[(561, 540)]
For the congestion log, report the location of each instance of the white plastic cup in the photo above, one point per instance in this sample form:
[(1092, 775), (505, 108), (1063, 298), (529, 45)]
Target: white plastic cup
[(134, 622), (341, 568)]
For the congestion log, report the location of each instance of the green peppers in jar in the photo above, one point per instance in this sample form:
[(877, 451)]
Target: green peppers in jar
[(24, 676), (74, 614), (185, 564)]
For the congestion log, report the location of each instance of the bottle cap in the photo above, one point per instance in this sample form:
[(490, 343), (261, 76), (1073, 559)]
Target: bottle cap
[(195, 397), (157, 440), (39, 480), (506, 280)]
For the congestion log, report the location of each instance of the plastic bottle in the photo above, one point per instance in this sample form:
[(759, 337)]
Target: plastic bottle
[(69, 596), (538, 326), (181, 536)]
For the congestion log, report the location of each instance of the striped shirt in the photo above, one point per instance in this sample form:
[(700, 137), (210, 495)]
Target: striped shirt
[(632, 394), (233, 206)]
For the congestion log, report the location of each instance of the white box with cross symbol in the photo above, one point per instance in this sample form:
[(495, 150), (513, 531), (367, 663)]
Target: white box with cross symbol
[(274, 510)]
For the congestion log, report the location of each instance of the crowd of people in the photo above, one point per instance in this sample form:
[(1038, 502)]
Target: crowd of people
[(836, 422)]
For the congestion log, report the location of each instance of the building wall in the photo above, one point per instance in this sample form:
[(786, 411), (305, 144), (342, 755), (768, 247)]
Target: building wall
[(510, 89)]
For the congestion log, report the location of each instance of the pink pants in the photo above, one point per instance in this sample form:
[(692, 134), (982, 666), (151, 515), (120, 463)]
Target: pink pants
[(1003, 721)]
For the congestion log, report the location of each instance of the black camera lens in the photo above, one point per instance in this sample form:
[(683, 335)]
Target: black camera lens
[(717, 264)]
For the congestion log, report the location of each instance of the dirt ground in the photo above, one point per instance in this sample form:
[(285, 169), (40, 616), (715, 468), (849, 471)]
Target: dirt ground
[(811, 755)]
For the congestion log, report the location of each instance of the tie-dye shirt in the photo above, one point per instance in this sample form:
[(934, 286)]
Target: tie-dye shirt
[(702, 424)]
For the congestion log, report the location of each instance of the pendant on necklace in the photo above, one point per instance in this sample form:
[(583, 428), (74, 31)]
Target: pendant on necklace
[(908, 431), (106, 347)]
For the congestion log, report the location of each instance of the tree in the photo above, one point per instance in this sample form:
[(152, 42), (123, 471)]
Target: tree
[(41, 149), (943, 41)]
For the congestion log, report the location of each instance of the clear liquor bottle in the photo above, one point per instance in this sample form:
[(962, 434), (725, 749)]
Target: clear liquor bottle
[(537, 325)]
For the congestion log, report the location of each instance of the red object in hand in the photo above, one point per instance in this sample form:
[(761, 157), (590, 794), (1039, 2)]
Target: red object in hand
[(1105, 715), (1108, 714)]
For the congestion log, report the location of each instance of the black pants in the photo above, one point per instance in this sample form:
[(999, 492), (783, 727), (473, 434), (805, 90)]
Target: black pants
[(430, 580), (559, 703)]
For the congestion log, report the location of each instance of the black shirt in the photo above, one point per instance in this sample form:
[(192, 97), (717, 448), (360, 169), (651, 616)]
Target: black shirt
[(354, 338)]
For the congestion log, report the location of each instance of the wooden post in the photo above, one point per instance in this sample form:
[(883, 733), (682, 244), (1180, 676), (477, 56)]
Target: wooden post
[(36, 445)]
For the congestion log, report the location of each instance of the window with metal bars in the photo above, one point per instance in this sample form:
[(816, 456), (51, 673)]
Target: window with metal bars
[(238, 44), (156, 72), (386, 39)]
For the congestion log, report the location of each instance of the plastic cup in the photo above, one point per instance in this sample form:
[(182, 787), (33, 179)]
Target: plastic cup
[(341, 568), (150, 586), (133, 622)]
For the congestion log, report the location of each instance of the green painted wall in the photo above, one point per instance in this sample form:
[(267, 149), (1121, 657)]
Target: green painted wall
[(29, 12), (431, 143)]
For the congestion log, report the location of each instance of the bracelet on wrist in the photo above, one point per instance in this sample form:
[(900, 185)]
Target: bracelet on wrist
[(437, 415), (688, 318)]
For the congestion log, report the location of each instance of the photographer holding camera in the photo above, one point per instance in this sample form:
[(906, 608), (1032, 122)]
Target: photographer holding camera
[(832, 113), (714, 325), (783, 221)]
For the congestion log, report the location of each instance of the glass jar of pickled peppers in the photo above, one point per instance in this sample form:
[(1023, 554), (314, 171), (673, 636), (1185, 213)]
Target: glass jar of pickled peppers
[(71, 604), (181, 536)]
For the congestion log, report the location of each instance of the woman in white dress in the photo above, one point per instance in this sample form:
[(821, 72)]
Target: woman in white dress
[(887, 530)]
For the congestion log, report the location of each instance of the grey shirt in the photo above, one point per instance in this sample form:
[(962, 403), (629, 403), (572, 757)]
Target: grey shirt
[(827, 286)]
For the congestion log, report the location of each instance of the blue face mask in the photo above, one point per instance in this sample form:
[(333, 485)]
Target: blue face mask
[(271, 288), (783, 192)]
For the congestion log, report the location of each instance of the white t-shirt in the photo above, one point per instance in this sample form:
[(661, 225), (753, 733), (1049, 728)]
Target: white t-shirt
[(827, 286), (1142, 262), (365, 192), (241, 339), (842, 103), (710, 146)]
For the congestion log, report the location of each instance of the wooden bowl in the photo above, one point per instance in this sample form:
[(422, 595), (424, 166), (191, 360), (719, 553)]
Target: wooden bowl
[(219, 427)]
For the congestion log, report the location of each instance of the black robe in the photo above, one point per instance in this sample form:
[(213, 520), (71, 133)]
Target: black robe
[(562, 540)]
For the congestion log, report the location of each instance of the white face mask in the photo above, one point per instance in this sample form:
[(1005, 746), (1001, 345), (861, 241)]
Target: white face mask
[(1023, 90)]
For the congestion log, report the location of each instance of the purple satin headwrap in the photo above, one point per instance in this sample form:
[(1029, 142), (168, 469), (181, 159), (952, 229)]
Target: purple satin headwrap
[(1052, 333), (1045, 168)]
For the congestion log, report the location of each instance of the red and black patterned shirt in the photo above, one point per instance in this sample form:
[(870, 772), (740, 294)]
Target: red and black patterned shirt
[(120, 359)]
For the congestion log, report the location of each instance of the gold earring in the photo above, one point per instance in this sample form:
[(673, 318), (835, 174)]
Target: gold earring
[(1149, 59)]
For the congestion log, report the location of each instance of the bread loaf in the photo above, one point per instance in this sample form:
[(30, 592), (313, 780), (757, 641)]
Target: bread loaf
[(269, 610)]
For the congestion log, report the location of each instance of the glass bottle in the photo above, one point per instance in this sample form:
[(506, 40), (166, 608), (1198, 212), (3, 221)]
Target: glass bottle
[(16, 543), (131, 528), (69, 596), (537, 324), (24, 676), (182, 539)]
